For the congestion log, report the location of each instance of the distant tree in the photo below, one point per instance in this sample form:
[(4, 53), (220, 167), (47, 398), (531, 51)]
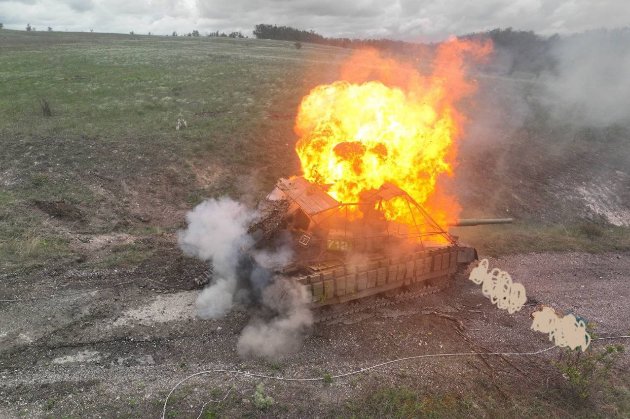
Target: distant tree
[(530, 52), (1, 25), (91, 30), (223, 35), (189, 34), (28, 27), (131, 33), (287, 33), (236, 35), (149, 34), (49, 29), (174, 33), (195, 33)]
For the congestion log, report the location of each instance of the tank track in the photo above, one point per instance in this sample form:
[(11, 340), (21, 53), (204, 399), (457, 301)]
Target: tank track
[(322, 316)]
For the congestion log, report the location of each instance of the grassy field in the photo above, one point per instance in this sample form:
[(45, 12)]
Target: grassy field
[(109, 158), (107, 162), (94, 174)]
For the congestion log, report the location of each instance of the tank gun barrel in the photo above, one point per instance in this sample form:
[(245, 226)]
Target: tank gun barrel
[(469, 222)]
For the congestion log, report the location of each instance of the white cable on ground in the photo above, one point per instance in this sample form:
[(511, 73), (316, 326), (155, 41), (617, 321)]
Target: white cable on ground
[(214, 401), (362, 370)]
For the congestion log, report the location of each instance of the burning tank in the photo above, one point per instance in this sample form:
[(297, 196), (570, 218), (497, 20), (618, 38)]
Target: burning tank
[(369, 212), (348, 251)]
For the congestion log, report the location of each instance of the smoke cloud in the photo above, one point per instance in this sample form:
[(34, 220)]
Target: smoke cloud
[(216, 299), (268, 260), (217, 233), (590, 84), (275, 337), (547, 136)]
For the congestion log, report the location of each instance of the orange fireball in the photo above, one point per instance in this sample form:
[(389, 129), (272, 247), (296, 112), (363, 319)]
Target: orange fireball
[(386, 122)]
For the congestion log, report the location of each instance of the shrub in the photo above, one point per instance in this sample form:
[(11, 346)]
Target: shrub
[(261, 400), (327, 378), (585, 370), (45, 106)]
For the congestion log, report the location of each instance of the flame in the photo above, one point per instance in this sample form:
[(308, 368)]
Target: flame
[(386, 122)]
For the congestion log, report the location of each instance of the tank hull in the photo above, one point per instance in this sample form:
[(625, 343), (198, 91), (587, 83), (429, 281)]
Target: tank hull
[(337, 283)]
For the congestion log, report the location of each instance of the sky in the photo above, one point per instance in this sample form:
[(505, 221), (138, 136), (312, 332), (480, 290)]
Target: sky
[(411, 20)]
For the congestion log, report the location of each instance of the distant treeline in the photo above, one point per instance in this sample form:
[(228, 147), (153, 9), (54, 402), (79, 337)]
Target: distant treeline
[(518, 50), (217, 34), (287, 33)]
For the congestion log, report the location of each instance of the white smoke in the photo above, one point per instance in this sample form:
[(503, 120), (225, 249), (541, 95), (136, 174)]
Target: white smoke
[(283, 333), (216, 299), (217, 232), (590, 85)]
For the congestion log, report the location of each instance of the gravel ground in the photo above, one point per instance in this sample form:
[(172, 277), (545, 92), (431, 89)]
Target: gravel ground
[(113, 344)]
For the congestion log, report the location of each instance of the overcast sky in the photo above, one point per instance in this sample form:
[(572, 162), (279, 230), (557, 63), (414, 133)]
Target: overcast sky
[(414, 20)]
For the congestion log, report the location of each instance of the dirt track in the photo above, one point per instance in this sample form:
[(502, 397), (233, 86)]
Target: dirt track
[(113, 343)]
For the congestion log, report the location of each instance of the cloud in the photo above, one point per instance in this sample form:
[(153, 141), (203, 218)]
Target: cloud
[(80, 5), (398, 19)]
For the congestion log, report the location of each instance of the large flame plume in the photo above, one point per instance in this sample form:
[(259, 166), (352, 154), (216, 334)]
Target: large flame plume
[(387, 122)]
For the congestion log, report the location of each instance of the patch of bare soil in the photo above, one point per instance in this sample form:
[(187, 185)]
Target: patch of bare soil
[(113, 343), (61, 209)]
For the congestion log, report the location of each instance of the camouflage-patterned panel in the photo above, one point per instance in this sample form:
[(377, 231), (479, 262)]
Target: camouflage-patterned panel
[(372, 274), (318, 291), (338, 284), (437, 263), (341, 286), (362, 281), (329, 289), (391, 273), (453, 265), (351, 284), (410, 270), (381, 276), (445, 260)]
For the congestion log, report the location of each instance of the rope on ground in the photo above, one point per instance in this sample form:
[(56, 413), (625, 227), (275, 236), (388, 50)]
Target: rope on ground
[(362, 370)]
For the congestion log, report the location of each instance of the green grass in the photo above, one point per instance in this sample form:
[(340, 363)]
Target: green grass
[(528, 236), (110, 146), (26, 240), (405, 402), (110, 150), (126, 255)]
